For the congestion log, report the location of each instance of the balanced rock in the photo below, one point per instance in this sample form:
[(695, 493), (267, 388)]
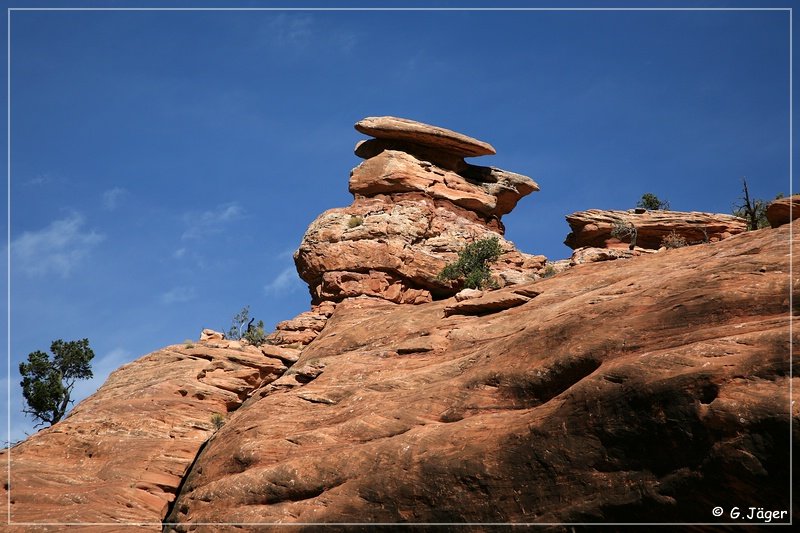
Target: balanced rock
[(402, 129), (417, 204), (783, 210), (594, 227)]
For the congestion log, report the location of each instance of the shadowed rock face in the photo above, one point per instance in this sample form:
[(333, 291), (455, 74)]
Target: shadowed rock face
[(646, 390), (593, 227)]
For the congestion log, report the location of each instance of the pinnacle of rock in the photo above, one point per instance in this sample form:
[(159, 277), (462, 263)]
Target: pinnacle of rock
[(417, 204)]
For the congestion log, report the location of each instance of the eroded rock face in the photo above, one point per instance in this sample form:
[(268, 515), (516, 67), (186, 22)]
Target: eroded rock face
[(783, 210), (121, 454), (645, 390), (485, 190), (417, 204), (298, 332), (394, 249), (593, 227)]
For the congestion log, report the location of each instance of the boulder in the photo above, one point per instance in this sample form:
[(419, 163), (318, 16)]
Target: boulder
[(783, 210), (211, 335), (468, 294), (590, 254), (401, 129), (491, 302), (593, 227)]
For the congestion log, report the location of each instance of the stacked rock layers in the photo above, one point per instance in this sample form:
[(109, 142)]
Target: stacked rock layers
[(594, 227), (417, 204)]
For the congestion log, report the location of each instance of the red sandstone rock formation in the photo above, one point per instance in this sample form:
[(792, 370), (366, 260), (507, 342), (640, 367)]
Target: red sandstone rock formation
[(783, 210), (593, 227), (649, 390), (121, 454), (417, 204), (646, 390)]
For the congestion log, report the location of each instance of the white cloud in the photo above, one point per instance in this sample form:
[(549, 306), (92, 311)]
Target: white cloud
[(178, 295), (286, 281), (211, 222), (112, 197), (57, 249), (345, 41), (287, 254), (180, 252), (39, 179), (290, 29), (302, 33), (42, 179)]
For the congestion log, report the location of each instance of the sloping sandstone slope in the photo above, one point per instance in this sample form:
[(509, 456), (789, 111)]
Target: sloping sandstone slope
[(121, 454), (651, 389)]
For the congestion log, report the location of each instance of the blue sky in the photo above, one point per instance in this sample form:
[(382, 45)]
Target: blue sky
[(164, 165)]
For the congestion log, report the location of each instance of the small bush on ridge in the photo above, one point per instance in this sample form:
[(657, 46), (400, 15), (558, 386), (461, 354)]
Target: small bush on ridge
[(652, 202)]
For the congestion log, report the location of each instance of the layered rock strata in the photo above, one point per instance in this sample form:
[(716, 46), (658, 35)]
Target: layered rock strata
[(647, 390), (594, 227), (301, 330), (783, 210), (121, 454), (417, 204)]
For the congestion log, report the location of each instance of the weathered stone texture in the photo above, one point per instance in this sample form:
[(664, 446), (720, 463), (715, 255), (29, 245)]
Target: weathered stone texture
[(650, 389), (783, 210), (593, 227), (121, 454)]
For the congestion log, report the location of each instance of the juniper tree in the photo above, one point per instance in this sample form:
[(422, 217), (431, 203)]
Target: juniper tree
[(47, 383)]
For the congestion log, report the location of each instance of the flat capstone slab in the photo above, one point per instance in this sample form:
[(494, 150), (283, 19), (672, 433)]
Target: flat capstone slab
[(403, 129)]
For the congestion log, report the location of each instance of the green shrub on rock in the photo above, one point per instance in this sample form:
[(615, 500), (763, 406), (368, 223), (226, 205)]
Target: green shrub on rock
[(255, 334), (242, 328), (473, 262)]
